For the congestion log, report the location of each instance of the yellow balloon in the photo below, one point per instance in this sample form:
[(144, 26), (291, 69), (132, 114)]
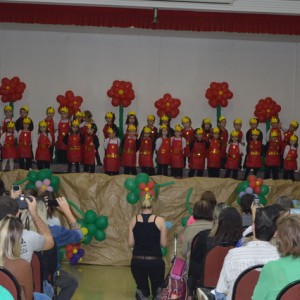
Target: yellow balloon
[(80, 259), (75, 251), (84, 230)]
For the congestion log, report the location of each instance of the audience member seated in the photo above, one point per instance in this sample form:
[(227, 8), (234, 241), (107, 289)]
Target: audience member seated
[(257, 251), (202, 214), (275, 275), (285, 201), (31, 241), (11, 230), (227, 233), (246, 202)]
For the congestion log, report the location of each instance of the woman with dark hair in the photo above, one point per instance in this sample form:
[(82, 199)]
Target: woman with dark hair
[(227, 233), (275, 275)]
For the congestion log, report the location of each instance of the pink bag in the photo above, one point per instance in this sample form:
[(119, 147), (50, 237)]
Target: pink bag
[(178, 268)]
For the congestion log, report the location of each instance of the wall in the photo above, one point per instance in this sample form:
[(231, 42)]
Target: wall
[(51, 60)]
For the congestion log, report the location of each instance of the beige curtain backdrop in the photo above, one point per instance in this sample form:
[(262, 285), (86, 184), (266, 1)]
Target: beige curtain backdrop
[(107, 196)]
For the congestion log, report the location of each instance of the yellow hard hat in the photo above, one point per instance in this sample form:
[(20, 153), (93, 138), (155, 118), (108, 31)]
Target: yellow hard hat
[(186, 120), (26, 121), (110, 130), (274, 134), (131, 128), (253, 121), (151, 118), (164, 126), (25, 107), (294, 138), (10, 124), (216, 130), (178, 127), (78, 114), (147, 129), (131, 113), (42, 124), (234, 133), (109, 115), (221, 118), (50, 110), (294, 124), (255, 132), (207, 121), (164, 118), (75, 123), (274, 120), (199, 131), (7, 107), (237, 121), (64, 109)]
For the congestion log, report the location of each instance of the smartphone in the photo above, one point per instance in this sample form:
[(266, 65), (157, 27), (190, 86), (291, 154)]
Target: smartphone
[(256, 202), (16, 187)]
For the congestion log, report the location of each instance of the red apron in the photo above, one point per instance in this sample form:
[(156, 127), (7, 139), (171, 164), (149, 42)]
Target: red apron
[(207, 135), (9, 149), (240, 136), (74, 151), (111, 159), (51, 129), (273, 154), (129, 152), (153, 134), (146, 153), (189, 135), (254, 159), (42, 151), (176, 153), (233, 157), (63, 129), (224, 140), (4, 125), (290, 162), (214, 154), (24, 147), (164, 152), (89, 150), (197, 157)]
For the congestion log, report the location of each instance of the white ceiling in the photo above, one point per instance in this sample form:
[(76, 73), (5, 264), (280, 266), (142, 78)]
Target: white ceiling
[(286, 7)]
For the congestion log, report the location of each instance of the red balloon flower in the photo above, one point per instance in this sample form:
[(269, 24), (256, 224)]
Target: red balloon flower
[(218, 94), (12, 90), (266, 108), (71, 101), (167, 106), (147, 188), (121, 93)]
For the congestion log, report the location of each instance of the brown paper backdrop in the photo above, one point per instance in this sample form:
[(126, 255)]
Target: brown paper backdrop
[(107, 196)]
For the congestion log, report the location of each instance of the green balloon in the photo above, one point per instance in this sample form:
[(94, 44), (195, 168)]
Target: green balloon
[(32, 176), (43, 174), (91, 228), (132, 198), (242, 186), (238, 200), (30, 185), (54, 182), (87, 239), (262, 200), (100, 235), (141, 178), (184, 221), (164, 251), (130, 184), (81, 222), (156, 190), (90, 216), (264, 190), (102, 222)]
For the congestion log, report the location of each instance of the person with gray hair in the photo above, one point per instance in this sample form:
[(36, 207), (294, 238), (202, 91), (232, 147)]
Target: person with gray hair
[(285, 201)]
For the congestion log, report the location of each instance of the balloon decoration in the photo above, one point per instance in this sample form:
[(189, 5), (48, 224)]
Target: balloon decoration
[(255, 186), (11, 90), (42, 180), (265, 109), (218, 95), (185, 220), (167, 105), (74, 253), (92, 225), (71, 101), (121, 93), (141, 185)]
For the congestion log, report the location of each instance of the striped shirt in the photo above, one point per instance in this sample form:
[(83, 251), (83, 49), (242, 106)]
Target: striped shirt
[(239, 259)]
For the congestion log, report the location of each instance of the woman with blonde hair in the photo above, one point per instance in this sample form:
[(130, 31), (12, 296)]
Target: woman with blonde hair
[(147, 234), (10, 247)]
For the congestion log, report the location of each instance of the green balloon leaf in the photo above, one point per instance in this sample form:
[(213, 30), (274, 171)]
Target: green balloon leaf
[(130, 184), (32, 176), (184, 221), (43, 174), (242, 186), (100, 235), (30, 185), (81, 222), (101, 222), (87, 239), (141, 178), (91, 228), (262, 200), (54, 182), (164, 251), (264, 190), (90, 216), (132, 198), (187, 201)]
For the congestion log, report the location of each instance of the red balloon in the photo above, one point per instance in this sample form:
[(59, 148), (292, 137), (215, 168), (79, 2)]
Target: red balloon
[(142, 186), (259, 181), (224, 102), (151, 184), (229, 95), (208, 94), (5, 81), (177, 102), (257, 190), (110, 93), (126, 102), (161, 112), (115, 101), (116, 83), (251, 178), (167, 96), (213, 85), (173, 113), (213, 103), (252, 184)]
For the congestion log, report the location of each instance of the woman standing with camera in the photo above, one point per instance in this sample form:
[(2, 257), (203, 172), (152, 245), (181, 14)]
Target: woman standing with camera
[(147, 233)]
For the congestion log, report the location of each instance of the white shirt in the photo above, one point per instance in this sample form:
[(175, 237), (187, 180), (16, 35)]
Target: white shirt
[(239, 259), (3, 137), (183, 140), (238, 144), (287, 149), (31, 242), (111, 141)]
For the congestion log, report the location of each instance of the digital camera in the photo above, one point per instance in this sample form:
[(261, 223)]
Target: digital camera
[(21, 201)]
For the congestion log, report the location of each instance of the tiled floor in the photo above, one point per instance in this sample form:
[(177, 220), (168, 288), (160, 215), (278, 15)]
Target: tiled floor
[(102, 282)]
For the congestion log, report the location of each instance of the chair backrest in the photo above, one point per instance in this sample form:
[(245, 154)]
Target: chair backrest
[(8, 281), (290, 291), (213, 265), (37, 273), (244, 285)]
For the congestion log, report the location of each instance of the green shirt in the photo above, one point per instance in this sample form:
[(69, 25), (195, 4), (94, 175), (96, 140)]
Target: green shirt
[(275, 275)]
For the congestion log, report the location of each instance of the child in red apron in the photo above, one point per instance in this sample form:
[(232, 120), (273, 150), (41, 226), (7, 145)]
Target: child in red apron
[(8, 117), (275, 127), (189, 135), (290, 156), (165, 120), (163, 151), (197, 154), (131, 120), (288, 133), (146, 147), (150, 124), (110, 123), (129, 146), (234, 154), (254, 154), (207, 130), (90, 147), (214, 154), (24, 111), (62, 128), (273, 156), (74, 141), (43, 153), (24, 149), (178, 144), (51, 126), (111, 158), (223, 139), (8, 142)]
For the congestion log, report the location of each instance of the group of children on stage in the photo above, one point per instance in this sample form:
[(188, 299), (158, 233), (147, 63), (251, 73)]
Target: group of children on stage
[(77, 143)]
